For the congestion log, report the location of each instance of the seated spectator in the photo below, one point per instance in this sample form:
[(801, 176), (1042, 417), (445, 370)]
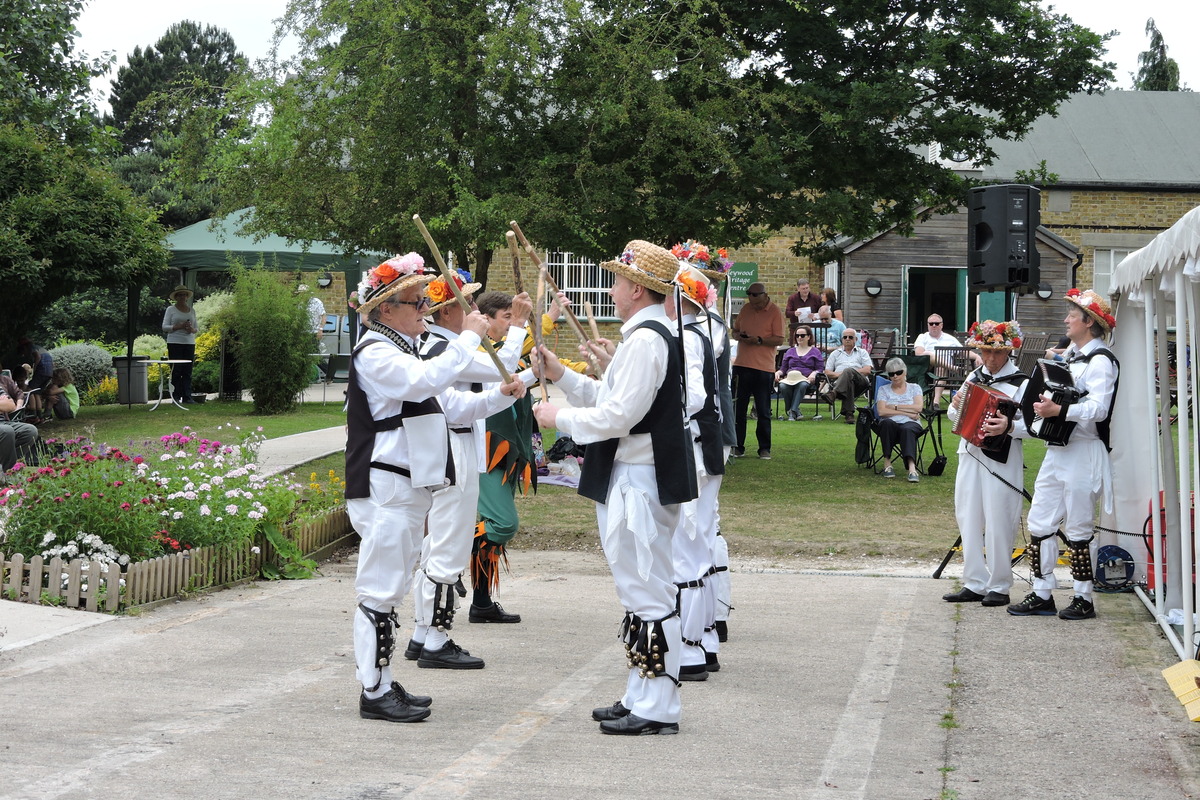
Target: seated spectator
[(61, 395), (898, 406), (829, 298), (829, 339), (14, 436), (39, 366), (848, 370), (928, 343), (1056, 353), (799, 371)]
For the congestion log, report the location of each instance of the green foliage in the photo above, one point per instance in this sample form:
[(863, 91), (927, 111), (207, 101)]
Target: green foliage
[(271, 340), (292, 563), (98, 313), (1038, 176), (206, 376), (64, 226), (1157, 72), (211, 310), (595, 122), (88, 363), (150, 345)]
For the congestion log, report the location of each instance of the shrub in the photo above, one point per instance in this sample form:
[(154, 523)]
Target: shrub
[(88, 363), (208, 346), (273, 341), (212, 313), (206, 376), (103, 393), (150, 345)]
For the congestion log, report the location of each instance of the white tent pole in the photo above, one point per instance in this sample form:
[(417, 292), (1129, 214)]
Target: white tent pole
[(1184, 436), (1157, 541), (1191, 412)]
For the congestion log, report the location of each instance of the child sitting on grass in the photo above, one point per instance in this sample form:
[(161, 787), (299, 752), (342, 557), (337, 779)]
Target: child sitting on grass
[(61, 394)]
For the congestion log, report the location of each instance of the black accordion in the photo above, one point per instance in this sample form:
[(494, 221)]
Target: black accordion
[(1053, 379)]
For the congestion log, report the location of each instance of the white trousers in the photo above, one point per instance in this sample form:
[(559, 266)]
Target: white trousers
[(635, 532), (391, 522), (692, 552), (446, 550), (1071, 480), (988, 513)]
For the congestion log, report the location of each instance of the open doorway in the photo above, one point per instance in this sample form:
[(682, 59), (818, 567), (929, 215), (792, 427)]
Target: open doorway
[(941, 290)]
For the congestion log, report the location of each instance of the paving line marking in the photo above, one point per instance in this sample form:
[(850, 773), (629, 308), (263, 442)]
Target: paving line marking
[(457, 778), (851, 754)]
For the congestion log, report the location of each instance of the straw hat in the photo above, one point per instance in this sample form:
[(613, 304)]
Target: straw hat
[(439, 293), (992, 335), (694, 286), (178, 290), (389, 278), (714, 267), (793, 377), (647, 265), (1094, 306)]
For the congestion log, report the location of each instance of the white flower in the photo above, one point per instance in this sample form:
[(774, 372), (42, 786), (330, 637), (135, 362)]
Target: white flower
[(231, 509), (205, 511), (48, 538), (177, 515), (255, 550), (165, 457)]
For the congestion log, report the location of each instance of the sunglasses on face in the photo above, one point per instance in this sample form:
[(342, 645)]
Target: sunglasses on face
[(755, 294), (417, 304), (895, 374), (801, 334), (934, 323), (848, 338)]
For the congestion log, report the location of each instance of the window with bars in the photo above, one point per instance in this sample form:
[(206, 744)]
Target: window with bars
[(582, 280)]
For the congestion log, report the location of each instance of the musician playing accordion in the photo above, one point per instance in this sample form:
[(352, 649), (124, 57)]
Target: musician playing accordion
[(987, 488), (1076, 471)]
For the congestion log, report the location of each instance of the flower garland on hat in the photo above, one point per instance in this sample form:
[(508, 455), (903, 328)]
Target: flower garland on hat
[(699, 255), (1094, 305), (694, 286), (438, 291), (992, 335)]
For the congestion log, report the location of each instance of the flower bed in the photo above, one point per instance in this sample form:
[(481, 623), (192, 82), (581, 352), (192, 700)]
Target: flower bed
[(185, 513)]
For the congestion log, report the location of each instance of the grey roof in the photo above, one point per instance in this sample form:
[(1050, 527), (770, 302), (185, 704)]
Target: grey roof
[(1120, 139)]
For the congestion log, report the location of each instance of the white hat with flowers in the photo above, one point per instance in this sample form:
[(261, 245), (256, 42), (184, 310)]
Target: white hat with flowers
[(389, 278), (694, 286), (992, 335)]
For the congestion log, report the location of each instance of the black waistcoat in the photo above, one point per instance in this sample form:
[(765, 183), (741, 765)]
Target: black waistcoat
[(674, 462), (708, 419)]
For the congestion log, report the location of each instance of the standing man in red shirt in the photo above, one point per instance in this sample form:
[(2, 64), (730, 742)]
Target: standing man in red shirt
[(758, 330)]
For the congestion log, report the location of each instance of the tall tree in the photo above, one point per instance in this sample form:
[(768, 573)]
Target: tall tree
[(599, 121), (188, 66), (1157, 72)]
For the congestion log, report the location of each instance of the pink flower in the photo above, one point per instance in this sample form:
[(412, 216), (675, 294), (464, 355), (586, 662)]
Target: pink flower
[(86, 495), (126, 506)]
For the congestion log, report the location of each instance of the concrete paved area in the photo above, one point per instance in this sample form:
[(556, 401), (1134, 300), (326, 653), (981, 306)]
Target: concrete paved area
[(832, 686)]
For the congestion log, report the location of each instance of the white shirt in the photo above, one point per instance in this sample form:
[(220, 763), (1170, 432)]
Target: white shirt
[(609, 408), (930, 343), (174, 316), (1097, 378)]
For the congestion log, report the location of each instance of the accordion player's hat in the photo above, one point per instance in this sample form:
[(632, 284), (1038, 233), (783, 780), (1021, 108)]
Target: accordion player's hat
[(992, 335), (1094, 306)]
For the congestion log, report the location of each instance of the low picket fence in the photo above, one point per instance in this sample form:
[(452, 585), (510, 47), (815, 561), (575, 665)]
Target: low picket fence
[(94, 586)]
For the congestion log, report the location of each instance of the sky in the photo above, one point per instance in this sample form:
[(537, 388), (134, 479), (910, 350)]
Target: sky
[(121, 25)]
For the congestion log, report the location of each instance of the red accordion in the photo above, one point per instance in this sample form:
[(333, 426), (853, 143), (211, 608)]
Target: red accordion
[(979, 404)]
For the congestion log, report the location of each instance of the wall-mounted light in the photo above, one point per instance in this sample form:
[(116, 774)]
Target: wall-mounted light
[(325, 280), (1044, 291), (873, 288)]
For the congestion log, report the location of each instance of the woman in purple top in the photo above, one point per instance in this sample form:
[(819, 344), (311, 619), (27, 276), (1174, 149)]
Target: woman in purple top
[(798, 372)]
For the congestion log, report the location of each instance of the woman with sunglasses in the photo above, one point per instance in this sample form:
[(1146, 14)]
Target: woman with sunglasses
[(898, 406), (802, 365)]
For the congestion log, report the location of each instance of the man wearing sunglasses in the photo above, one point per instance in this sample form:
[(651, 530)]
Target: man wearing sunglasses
[(758, 330), (927, 343), (848, 369)]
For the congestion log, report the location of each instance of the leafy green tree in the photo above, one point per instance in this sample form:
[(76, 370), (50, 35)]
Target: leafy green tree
[(1157, 72), (596, 122), (98, 313)]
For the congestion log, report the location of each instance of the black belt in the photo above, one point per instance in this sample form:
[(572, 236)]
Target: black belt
[(391, 468), (462, 430)]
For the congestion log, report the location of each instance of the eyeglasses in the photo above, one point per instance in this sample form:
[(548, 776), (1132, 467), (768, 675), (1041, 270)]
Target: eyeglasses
[(800, 333), (755, 294), (895, 374), (849, 338), (417, 304), (933, 323)]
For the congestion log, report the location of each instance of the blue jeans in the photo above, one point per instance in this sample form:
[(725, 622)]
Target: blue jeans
[(792, 395)]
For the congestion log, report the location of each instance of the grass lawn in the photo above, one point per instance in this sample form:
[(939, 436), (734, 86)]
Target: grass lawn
[(810, 500)]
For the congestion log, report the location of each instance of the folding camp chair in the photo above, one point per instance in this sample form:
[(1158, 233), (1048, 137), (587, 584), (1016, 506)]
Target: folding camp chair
[(868, 419)]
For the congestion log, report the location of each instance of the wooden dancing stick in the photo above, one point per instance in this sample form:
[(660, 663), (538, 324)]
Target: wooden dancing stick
[(591, 318), (536, 329), (518, 284), (458, 295), (572, 320)]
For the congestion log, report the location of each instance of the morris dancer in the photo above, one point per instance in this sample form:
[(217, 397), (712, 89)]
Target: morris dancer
[(988, 511), (1074, 475), (397, 455), (638, 468)]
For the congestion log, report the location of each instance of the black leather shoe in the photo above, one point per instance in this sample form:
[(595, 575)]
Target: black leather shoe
[(492, 613), (963, 595), (615, 711), (633, 725), (391, 708), (448, 656), (419, 700), (995, 599), (413, 651), (711, 663), (722, 627), (693, 672)]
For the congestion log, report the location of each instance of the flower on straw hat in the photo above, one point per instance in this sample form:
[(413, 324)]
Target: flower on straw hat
[(992, 335), (700, 256), (390, 277), (1094, 306), (440, 294), (647, 265), (694, 286)]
